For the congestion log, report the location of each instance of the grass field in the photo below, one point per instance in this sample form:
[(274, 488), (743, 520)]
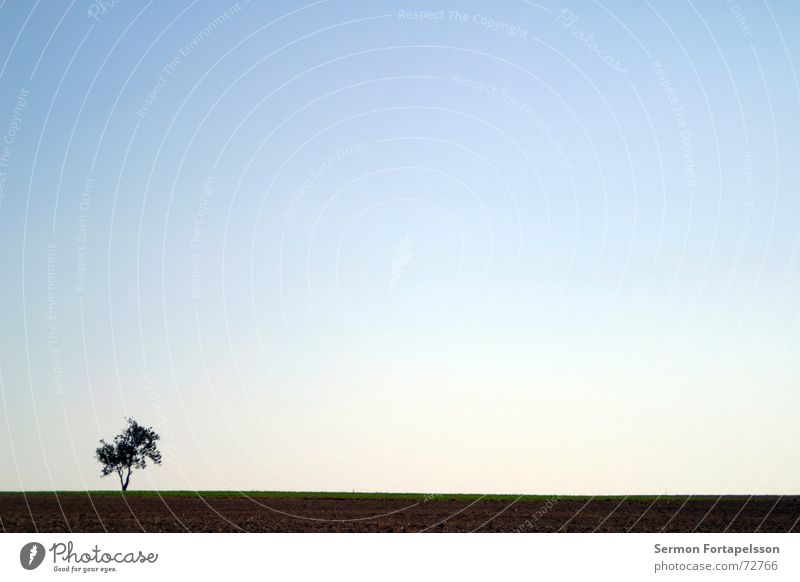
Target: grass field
[(422, 497)]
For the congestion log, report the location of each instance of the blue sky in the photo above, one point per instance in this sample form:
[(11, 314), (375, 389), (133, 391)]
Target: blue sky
[(528, 247)]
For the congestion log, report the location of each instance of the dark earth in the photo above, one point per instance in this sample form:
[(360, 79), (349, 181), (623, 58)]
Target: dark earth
[(84, 512)]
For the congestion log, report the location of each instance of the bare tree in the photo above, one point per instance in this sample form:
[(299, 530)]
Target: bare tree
[(130, 450)]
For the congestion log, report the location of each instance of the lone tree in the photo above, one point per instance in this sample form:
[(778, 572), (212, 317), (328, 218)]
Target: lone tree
[(130, 450)]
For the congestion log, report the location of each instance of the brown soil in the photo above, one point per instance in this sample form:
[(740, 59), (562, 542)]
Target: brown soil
[(97, 513)]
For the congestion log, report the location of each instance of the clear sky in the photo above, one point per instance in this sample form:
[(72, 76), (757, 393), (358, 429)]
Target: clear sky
[(491, 247)]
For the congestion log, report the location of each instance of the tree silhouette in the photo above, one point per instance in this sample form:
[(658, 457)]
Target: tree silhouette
[(130, 450)]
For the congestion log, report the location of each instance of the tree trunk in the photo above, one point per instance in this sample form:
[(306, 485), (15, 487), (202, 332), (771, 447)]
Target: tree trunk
[(127, 480)]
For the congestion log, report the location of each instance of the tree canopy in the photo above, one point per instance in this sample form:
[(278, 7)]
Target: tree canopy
[(130, 450)]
